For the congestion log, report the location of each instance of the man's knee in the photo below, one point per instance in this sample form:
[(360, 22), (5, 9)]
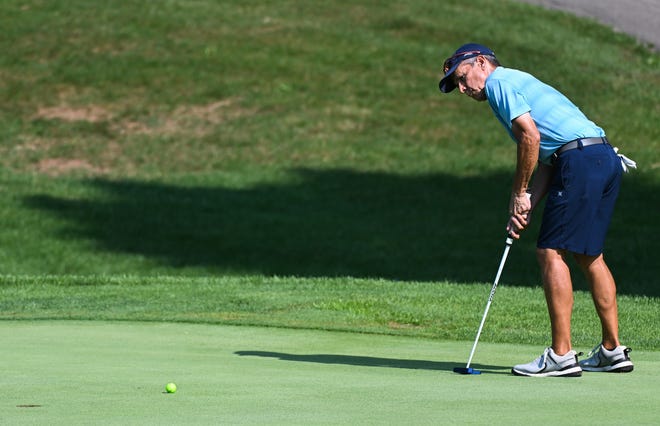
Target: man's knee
[(547, 256), (585, 261)]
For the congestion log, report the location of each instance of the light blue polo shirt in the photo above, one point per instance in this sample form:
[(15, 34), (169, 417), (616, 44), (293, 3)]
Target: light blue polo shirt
[(512, 93)]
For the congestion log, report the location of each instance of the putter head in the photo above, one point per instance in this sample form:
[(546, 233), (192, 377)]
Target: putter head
[(466, 370)]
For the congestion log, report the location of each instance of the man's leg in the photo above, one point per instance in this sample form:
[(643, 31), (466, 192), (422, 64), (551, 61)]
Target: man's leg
[(558, 290), (603, 291), (559, 360)]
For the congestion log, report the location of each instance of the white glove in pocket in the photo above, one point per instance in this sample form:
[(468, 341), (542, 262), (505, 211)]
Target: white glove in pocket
[(626, 163)]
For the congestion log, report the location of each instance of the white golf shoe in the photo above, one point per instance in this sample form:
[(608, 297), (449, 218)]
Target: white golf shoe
[(549, 364), (614, 361)]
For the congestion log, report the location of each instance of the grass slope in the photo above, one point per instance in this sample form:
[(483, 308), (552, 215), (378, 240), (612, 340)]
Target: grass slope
[(249, 139), (197, 138)]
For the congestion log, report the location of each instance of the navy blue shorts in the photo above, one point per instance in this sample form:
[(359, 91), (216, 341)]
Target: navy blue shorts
[(585, 185)]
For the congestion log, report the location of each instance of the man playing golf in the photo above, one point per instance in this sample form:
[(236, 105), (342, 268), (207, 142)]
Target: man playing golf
[(580, 173)]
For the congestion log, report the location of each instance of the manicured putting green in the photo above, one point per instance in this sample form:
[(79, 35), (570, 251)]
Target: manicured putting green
[(71, 372)]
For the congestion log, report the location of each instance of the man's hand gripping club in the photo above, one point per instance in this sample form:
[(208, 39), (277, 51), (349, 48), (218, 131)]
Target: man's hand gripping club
[(519, 208)]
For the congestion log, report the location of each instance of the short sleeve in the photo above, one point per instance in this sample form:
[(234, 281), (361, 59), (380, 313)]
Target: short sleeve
[(507, 102)]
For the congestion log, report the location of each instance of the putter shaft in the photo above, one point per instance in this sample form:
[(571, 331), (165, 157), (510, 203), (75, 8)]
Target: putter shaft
[(507, 247)]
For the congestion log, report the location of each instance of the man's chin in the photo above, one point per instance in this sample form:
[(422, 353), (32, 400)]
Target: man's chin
[(479, 97)]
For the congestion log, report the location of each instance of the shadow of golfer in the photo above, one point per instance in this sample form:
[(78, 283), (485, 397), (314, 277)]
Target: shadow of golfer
[(367, 361)]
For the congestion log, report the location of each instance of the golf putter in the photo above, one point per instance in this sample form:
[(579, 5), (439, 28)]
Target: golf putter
[(467, 369)]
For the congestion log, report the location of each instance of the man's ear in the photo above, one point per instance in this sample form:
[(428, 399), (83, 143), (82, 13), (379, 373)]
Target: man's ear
[(481, 61)]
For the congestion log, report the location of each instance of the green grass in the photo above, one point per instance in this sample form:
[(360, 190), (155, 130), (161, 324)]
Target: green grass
[(81, 373), (130, 88), (172, 169), (438, 310), (218, 141)]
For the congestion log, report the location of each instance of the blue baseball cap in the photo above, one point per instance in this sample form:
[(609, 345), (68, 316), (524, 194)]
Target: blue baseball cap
[(464, 52)]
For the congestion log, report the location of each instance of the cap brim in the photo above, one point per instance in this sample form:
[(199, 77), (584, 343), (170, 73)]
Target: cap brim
[(447, 84)]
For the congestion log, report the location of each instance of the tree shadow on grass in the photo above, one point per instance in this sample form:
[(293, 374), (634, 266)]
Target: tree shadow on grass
[(330, 223), (368, 361)]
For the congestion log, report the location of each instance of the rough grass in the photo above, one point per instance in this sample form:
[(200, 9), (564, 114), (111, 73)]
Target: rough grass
[(438, 310)]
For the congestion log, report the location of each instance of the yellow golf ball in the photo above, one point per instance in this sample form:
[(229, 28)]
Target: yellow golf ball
[(170, 388)]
